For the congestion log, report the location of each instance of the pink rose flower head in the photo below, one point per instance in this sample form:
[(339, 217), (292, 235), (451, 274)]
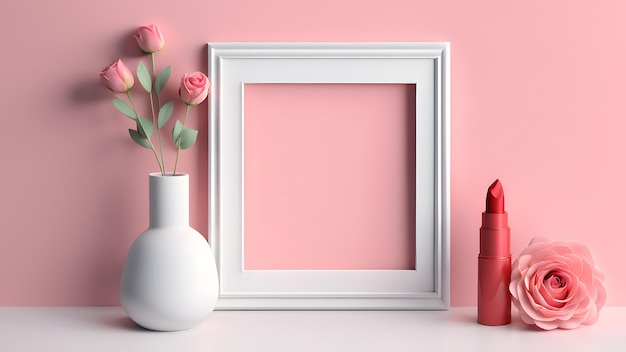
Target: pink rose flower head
[(117, 77), (557, 285), (194, 88), (149, 38)]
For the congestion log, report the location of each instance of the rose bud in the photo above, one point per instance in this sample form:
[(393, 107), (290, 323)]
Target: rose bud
[(117, 77), (194, 88), (149, 38)]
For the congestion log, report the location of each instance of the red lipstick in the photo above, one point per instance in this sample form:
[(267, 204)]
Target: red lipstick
[(494, 261)]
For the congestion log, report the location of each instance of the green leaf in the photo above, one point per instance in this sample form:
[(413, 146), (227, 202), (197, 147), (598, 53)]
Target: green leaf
[(144, 77), (145, 128), (165, 113), (139, 139), (184, 137), (176, 131), (124, 108), (187, 138), (162, 79)]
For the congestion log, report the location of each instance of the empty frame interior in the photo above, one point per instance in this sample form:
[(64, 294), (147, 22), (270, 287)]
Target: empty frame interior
[(329, 177)]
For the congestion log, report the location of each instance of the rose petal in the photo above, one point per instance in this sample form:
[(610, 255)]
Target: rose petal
[(546, 325)]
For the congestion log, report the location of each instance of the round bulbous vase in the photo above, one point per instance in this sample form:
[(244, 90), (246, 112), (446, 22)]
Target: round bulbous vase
[(169, 281)]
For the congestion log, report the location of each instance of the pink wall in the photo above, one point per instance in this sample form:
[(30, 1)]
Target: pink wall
[(344, 196), (536, 101)]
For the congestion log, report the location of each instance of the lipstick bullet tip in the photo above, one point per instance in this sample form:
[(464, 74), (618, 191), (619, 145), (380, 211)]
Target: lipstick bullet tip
[(495, 198)]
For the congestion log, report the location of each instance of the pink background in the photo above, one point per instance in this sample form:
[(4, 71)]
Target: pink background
[(536, 101), (329, 176)]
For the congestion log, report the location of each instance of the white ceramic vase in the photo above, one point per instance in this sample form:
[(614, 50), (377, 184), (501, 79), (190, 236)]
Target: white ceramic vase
[(170, 278)]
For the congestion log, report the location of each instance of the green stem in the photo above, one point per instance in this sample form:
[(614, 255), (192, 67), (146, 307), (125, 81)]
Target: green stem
[(154, 119), (179, 138), (153, 67), (140, 124)]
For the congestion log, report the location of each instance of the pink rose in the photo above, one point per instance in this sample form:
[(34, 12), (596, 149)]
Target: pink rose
[(149, 38), (117, 77), (557, 285), (194, 88)]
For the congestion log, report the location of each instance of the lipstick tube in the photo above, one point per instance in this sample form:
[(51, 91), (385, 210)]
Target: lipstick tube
[(494, 262)]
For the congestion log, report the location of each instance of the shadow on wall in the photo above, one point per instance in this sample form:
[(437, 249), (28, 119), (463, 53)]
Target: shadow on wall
[(91, 89)]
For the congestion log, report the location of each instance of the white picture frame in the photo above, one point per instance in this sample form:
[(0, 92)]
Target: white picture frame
[(427, 66)]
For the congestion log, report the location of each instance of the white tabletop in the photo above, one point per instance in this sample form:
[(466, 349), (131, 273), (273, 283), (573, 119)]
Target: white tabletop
[(109, 329)]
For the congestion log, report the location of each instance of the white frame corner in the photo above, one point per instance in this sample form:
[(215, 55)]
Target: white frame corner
[(427, 66)]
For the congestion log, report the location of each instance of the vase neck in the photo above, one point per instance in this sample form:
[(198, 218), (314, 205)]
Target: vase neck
[(169, 200)]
